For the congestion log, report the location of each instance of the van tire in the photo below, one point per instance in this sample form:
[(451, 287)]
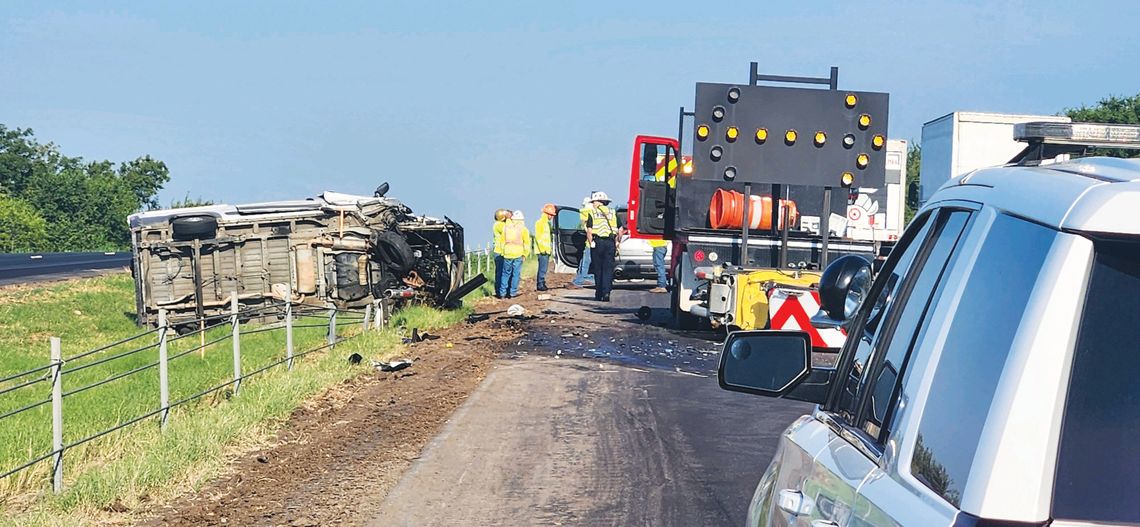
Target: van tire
[(392, 250), (199, 227)]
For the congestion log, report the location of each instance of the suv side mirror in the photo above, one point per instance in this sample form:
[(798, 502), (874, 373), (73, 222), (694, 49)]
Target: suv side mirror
[(767, 363), (842, 288)]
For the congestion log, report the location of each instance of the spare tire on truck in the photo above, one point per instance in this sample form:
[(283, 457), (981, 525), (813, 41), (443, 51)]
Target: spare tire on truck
[(392, 250), (199, 227)]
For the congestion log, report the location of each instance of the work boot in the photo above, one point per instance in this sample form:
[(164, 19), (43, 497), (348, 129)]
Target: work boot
[(658, 290)]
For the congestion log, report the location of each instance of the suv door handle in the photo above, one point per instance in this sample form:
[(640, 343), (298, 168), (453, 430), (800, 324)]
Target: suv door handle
[(792, 502)]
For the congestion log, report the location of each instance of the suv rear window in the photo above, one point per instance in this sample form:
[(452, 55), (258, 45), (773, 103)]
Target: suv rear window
[(1098, 467)]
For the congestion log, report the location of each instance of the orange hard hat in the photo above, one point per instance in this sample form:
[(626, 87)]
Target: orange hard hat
[(549, 209)]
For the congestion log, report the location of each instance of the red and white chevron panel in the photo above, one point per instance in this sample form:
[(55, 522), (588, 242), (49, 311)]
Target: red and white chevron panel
[(792, 309)]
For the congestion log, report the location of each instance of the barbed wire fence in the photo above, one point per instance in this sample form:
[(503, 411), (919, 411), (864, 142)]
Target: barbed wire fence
[(373, 317), (59, 368)]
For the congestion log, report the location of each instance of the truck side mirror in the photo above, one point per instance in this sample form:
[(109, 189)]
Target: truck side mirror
[(842, 288), (768, 363)]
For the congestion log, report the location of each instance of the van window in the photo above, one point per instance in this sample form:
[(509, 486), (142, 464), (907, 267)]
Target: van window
[(1098, 467), (569, 220), (974, 353)]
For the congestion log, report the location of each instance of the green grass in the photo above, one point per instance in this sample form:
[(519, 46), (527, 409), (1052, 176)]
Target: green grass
[(141, 463)]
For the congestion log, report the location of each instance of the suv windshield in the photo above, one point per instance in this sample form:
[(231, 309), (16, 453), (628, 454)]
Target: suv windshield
[(1097, 468)]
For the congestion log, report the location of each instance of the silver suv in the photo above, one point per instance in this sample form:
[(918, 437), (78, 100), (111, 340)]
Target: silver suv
[(990, 378)]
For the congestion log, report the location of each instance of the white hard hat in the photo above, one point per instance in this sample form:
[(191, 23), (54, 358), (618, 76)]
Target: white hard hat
[(517, 215), (600, 196)]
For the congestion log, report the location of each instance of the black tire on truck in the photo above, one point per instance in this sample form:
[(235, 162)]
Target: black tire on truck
[(199, 227), (392, 250)]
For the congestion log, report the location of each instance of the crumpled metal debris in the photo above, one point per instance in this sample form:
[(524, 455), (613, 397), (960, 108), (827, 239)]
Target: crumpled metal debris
[(393, 365)]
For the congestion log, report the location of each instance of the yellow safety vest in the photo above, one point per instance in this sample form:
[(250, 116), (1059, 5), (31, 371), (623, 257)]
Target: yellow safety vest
[(603, 221), (497, 236), (543, 241), (516, 240)]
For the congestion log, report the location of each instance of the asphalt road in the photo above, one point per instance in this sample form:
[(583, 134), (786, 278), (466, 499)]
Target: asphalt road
[(598, 418), (19, 268)]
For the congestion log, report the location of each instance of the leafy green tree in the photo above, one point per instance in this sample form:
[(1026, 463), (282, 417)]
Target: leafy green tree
[(84, 204), (1113, 110), (22, 229), (913, 181)]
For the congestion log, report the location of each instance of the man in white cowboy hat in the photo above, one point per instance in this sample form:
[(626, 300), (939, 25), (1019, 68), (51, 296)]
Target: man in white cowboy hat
[(584, 276), (602, 232)]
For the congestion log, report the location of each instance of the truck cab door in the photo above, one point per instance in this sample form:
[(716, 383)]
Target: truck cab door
[(655, 166), (569, 239)]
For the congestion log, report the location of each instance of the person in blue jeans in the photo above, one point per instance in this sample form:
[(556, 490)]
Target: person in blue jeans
[(515, 242), (584, 274), (501, 218), (660, 247)]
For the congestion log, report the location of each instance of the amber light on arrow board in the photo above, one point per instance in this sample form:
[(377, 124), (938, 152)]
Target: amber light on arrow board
[(703, 132), (864, 121), (862, 160), (731, 134), (790, 137), (878, 141), (847, 179), (761, 135), (850, 100)]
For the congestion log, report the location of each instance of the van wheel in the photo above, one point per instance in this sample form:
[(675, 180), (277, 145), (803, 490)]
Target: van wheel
[(393, 251), (194, 227)]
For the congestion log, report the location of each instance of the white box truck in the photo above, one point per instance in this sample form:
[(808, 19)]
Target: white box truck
[(959, 142)]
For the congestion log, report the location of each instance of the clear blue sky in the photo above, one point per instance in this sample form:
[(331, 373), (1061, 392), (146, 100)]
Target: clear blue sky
[(464, 108)]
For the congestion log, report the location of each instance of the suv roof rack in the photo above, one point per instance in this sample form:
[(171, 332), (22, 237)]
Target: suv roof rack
[(1047, 140)]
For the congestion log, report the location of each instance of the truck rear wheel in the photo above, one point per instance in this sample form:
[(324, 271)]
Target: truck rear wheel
[(681, 319)]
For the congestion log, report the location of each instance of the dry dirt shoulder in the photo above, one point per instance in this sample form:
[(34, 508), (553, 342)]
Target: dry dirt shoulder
[(338, 456)]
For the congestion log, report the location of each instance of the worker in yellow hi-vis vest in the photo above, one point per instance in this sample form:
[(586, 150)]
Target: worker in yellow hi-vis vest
[(544, 243), (515, 242), (602, 233), (661, 247), (502, 216)]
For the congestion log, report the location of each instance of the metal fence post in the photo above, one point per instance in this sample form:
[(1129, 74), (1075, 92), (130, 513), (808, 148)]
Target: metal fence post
[(332, 327), (236, 341), (380, 318), (163, 372), (367, 317), (57, 415), (289, 328)]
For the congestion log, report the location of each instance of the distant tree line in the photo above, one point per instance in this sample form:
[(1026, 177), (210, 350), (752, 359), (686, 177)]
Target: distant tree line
[(53, 202)]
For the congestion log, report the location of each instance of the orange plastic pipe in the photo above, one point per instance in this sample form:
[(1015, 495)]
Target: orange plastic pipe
[(726, 211)]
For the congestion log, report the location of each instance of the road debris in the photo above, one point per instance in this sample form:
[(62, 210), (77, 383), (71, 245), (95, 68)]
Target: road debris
[(393, 365), (516, 310)]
